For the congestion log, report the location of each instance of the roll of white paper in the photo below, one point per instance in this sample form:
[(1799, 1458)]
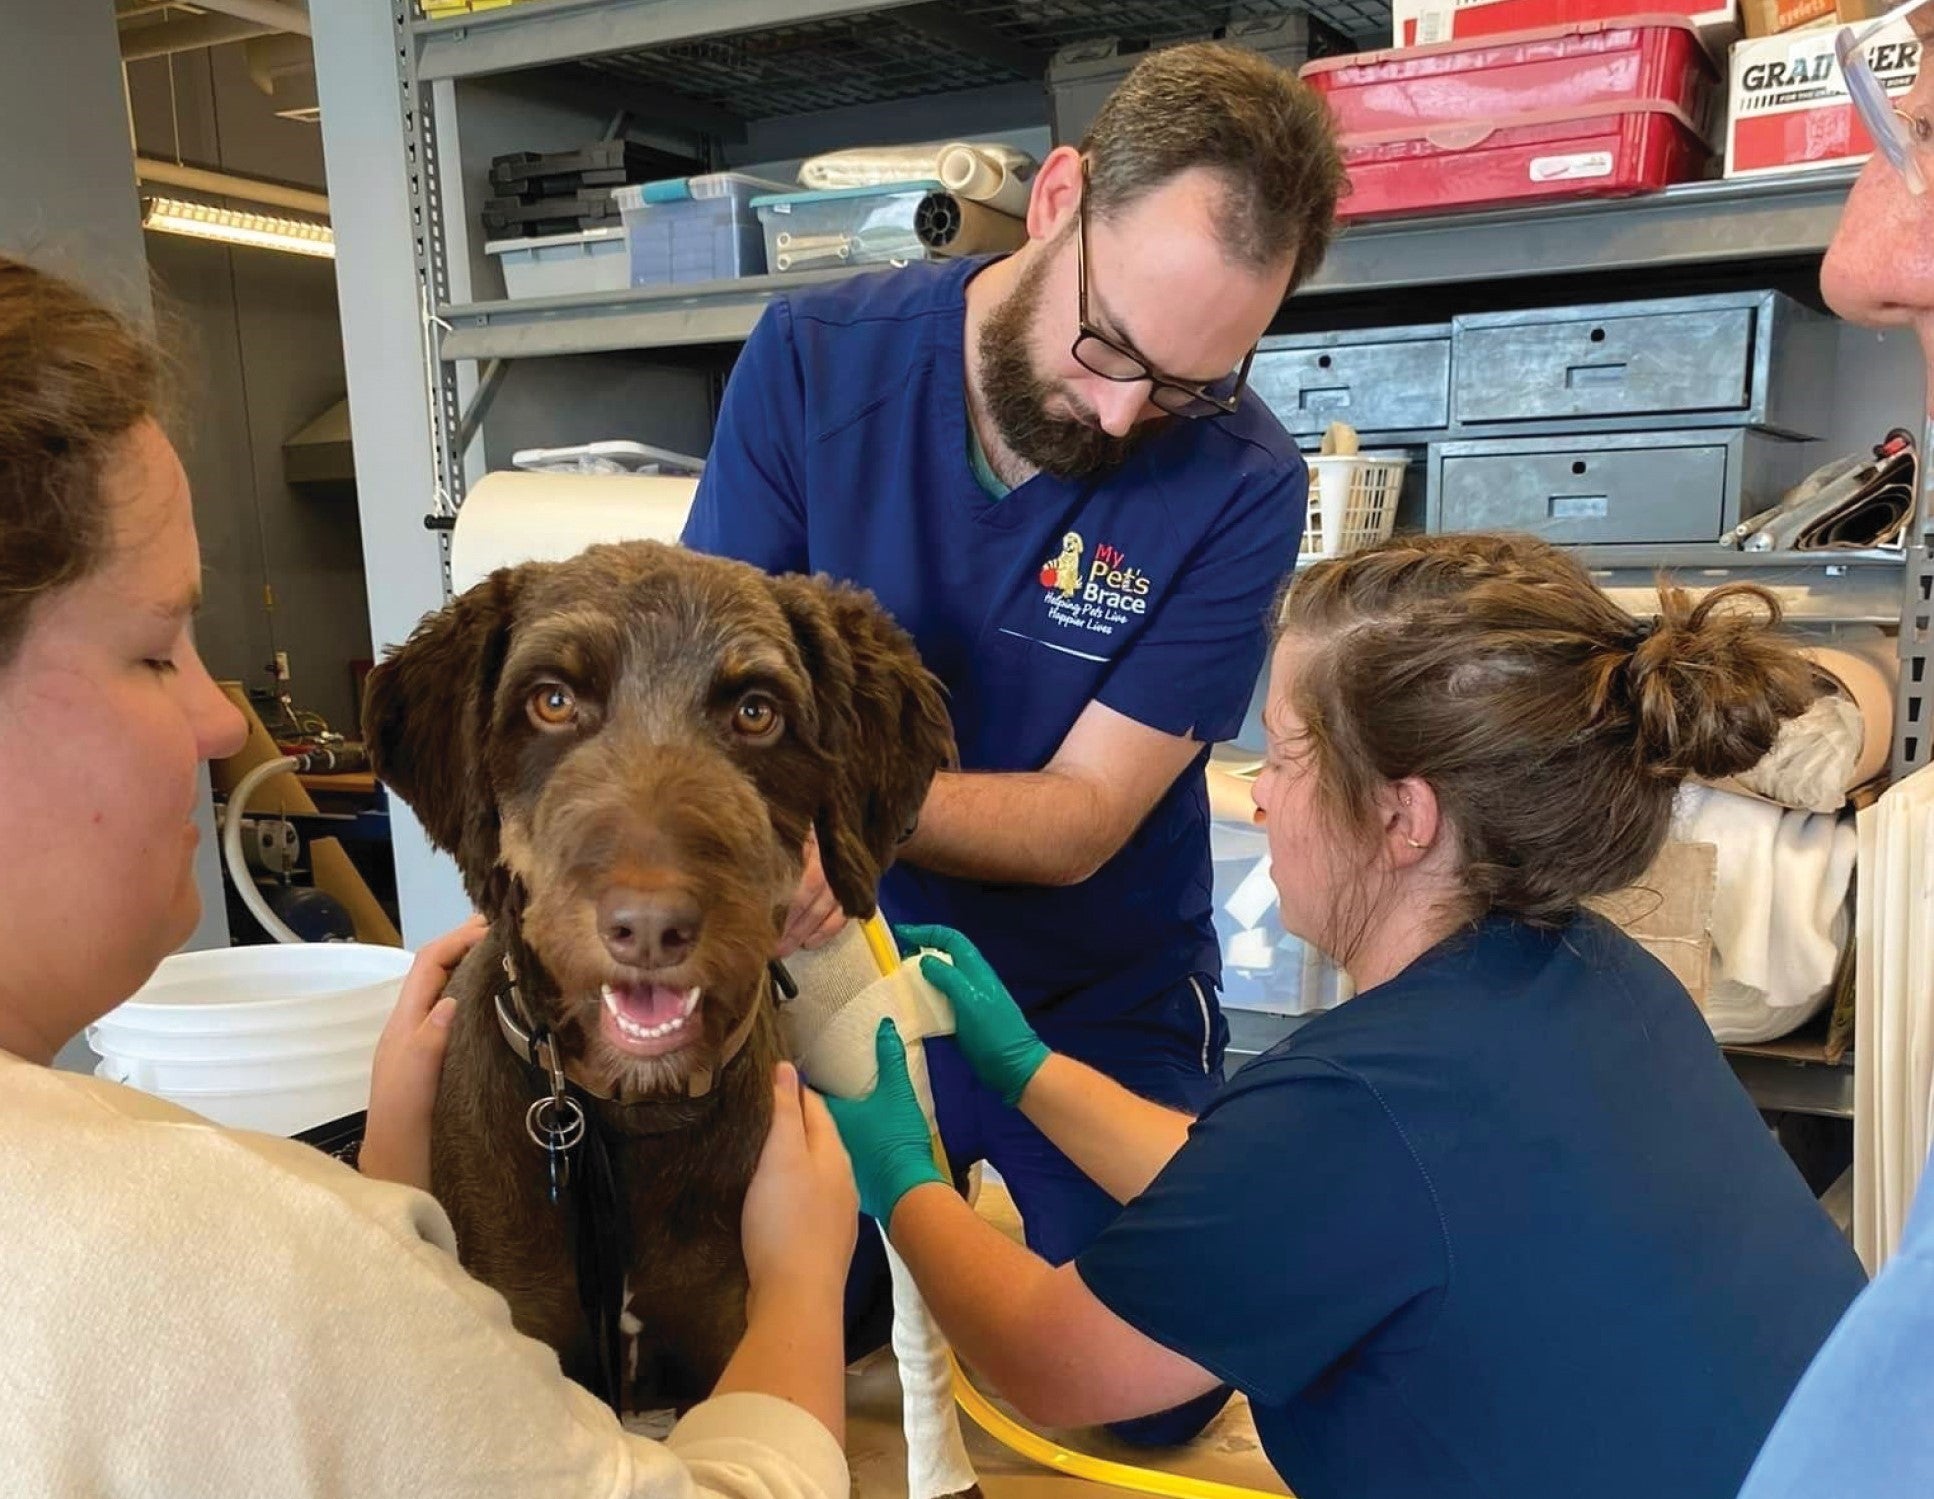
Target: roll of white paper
[(511, 517), (973, 174)]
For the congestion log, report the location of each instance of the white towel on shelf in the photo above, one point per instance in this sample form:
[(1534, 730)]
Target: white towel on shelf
[(1779, 915)]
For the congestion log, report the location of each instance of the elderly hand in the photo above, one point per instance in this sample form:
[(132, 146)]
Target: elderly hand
[(886, 1133), (992, 1033), (815, 918), (409, 1063)]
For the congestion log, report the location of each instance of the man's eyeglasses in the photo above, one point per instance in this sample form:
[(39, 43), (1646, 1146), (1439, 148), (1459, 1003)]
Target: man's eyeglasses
[(1101, 355), (1905, 140)]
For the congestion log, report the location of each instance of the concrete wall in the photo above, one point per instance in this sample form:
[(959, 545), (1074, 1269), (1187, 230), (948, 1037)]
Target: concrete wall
[(71, 208)]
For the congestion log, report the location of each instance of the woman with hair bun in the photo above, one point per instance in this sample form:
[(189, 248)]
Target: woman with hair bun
[(1504, 1224)]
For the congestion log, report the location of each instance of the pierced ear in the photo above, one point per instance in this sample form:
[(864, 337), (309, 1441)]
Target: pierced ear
[(426, 716), (884, 730), (1412, 820)]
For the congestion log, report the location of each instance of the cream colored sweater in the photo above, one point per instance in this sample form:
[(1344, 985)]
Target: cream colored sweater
[(187, 1310)]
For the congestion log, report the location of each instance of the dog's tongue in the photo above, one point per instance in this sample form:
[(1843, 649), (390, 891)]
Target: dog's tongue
[(649, 1004)]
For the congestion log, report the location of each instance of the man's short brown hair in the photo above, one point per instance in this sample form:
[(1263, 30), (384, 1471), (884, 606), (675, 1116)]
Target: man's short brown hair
[(1232, 112)]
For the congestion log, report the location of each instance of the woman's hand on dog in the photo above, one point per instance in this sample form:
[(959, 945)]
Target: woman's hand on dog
[(409, 1062), (815, 918), (801, 1211)]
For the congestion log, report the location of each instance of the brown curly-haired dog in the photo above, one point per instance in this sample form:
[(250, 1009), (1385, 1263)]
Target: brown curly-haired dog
[(625, 753)]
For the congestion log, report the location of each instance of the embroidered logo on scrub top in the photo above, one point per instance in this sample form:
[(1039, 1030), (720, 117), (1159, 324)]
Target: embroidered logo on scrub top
[(1064, 572), (1106, 595)]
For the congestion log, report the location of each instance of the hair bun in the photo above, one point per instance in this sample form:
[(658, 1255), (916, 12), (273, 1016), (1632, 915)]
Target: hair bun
[(1712, 682)]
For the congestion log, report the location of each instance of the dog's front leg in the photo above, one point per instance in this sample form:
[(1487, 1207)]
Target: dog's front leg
[(937, 1462)]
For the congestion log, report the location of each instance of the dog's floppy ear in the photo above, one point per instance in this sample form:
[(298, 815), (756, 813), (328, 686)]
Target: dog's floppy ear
[(883, 729), (426, 718)]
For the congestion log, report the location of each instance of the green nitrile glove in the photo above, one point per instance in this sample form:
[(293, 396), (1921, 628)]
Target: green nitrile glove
[(994, 1036), (885, 1132)]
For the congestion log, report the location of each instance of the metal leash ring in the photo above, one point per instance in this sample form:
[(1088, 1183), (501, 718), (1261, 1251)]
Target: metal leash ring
[(555, 1124)]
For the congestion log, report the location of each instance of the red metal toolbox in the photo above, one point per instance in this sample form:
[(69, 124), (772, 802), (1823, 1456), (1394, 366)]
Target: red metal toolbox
[(1603, 150), (1645, 60)]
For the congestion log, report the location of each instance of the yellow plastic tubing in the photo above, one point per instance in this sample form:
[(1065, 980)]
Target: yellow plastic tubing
[(1010, 1433)]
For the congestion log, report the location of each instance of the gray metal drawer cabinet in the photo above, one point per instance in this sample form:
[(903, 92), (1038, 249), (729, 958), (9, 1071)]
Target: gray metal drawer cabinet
[(1651, 487), (1379, 380), (1756, 359)]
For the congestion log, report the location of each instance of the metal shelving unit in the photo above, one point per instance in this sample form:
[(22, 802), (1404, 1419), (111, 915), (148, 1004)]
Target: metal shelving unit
[(774, 57), (1697, 224), (422, 346)]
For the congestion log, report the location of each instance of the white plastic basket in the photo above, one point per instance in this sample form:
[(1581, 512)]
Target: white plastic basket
[(1352, 502)]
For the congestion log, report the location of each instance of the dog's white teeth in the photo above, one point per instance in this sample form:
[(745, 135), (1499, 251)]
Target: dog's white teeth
[(611, 1003), (691, 1003)]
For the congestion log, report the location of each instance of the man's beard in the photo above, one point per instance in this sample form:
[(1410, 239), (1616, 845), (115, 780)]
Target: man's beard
[(1017, 396)]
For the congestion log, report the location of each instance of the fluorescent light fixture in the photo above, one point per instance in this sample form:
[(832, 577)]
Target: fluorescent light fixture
[(233, 227)]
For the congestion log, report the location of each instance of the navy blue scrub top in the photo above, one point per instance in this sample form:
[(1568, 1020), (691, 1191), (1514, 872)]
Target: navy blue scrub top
[(842, 447), (1505, 1226)]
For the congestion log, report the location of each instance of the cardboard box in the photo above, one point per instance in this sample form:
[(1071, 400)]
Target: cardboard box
[(1416, 23), (1787, 103), (1771, 17), (1668, 912)]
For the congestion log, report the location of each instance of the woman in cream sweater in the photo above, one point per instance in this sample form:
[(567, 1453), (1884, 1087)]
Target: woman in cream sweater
[(197, 1311)]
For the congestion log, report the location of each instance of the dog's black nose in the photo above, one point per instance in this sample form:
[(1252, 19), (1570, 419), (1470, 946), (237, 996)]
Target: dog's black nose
[(648, 929)]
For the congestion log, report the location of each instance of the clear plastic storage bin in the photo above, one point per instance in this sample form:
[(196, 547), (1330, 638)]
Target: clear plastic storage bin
[(843, 226), (693, 228), (563, 265)]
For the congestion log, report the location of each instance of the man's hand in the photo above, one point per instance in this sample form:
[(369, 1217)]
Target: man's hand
[(886, 1133), (815, 918), (409, 1063)]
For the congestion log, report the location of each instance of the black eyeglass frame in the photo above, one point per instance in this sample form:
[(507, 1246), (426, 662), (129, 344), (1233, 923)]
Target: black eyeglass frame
[(1184, 398)]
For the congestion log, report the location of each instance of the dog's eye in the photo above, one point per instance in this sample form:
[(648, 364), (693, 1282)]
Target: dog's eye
[(553, 706), (757, 717)]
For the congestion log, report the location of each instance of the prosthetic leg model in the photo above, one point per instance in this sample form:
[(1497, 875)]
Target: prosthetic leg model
[(845, 990)]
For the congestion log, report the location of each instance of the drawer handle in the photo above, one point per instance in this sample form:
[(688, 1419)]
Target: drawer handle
[(1594, 376), (1579, 506), (1325, 398)]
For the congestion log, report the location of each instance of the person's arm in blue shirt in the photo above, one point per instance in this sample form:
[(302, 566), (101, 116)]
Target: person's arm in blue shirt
[(1860, 1425), (751, 501), (1185, 684)]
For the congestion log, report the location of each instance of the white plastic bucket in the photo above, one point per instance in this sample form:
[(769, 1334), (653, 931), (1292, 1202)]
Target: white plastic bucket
[(276, 1038)]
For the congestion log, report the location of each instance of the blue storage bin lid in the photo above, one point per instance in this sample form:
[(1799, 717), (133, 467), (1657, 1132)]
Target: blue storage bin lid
[(684, 189), (834, 194)]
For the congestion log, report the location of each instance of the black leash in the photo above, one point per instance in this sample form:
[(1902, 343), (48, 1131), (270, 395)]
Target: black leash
[(587, 1186), (586, 1183)]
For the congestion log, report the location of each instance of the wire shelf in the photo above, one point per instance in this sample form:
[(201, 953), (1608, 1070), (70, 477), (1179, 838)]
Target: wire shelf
[(901, 53)]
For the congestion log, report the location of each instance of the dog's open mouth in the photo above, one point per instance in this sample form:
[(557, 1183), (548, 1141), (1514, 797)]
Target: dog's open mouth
[(650, 1020)]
